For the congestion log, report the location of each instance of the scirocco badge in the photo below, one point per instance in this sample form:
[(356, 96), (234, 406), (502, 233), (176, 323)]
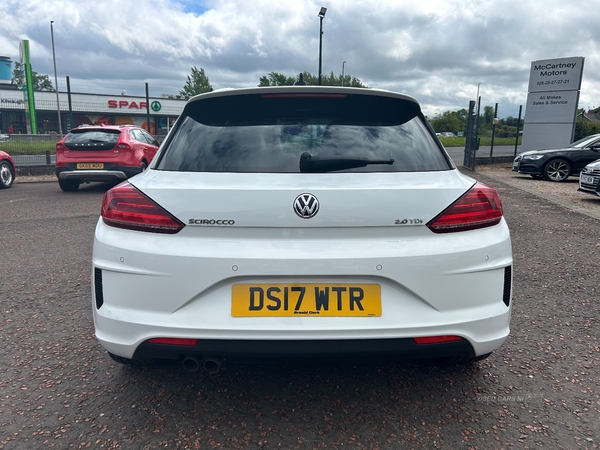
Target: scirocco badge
[(211, 222)]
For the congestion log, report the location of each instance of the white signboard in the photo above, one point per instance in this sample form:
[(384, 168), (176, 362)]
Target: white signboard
[(562, 74), (552, 102), (551, 107), (538, 134)]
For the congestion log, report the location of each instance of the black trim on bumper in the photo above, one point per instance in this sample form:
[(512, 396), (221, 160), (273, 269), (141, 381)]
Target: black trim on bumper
[(248, 351), (528, 169), (109, 173)]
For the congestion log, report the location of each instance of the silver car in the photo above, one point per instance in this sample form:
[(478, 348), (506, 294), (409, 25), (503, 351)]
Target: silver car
[(589, 177)]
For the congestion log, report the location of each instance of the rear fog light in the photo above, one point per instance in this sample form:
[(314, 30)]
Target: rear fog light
[(436, 339), (173, 341)]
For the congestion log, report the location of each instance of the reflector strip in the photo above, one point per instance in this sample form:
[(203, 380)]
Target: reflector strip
[(436, 339), (173, 341)]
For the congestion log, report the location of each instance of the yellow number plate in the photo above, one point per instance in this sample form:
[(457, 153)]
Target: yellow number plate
[(342, 300), (90, 165)]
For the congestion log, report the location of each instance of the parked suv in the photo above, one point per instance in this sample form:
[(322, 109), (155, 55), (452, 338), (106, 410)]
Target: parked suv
[(301, 221), (102, 153)]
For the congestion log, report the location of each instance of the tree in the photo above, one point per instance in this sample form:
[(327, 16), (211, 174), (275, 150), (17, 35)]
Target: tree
[(512, 122), (585, 128), (450, 121), (457, 121), (197, 83), (40, 82), (278, 79), (488, 117), (333, 80)]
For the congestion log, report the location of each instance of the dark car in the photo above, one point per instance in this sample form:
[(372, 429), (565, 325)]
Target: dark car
[(7, 170), (558, 164), (102, 153)]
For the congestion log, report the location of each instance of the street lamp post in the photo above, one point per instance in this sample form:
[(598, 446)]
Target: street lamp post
[(56, 80), (321, 16), (343, 64)]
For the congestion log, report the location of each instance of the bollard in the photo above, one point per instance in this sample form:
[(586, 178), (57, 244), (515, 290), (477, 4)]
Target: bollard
[(48, 157)]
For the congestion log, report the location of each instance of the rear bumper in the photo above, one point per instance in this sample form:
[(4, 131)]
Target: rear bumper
[(483, 330), (114, 174), (170, 287), (264, 350)]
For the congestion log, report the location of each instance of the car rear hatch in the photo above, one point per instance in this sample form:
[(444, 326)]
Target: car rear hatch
[(301, 158), (92, 145), (370, 204)]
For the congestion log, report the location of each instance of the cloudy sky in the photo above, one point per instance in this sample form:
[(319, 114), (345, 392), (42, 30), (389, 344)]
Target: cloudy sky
[(438, 51)]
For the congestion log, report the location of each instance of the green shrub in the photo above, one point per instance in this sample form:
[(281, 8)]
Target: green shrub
[(584, 128), (484, 141), (22, 146)]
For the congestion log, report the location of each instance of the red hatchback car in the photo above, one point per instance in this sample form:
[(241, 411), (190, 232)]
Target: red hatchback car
[(7, 170), (102, 153)]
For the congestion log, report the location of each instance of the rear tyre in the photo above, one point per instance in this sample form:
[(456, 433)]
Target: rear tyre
[(557, 170), (68, 185), (470, 359), (7, 176), (127, 361)]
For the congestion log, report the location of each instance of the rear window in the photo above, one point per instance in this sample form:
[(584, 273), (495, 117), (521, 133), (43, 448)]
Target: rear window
[(292, 133), (92, 139)]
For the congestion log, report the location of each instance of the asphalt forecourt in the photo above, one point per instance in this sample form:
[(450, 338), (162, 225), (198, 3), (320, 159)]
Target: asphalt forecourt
[(61, 390)]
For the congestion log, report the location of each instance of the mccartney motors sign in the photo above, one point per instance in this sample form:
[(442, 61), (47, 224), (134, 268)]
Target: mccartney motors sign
[(552, 102), (556, 75)]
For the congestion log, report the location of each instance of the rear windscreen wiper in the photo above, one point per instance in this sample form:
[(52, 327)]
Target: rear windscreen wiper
[(309, 163)]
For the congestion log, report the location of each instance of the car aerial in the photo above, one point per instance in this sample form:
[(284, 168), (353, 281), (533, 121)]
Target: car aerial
[(558, 164), (301, 221), (102, 153), (589, 177), (7, 170)]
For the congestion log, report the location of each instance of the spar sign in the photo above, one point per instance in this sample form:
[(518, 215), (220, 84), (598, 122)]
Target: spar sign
[(552, 101)]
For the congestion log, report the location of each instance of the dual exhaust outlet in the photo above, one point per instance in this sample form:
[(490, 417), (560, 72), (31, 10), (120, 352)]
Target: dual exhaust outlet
[(211, 364)]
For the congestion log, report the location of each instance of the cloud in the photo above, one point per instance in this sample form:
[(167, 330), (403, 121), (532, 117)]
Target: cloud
[(437, 51)]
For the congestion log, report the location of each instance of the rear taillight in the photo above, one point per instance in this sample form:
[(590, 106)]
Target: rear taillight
[(126, 207), (480, 207), (60, 148)]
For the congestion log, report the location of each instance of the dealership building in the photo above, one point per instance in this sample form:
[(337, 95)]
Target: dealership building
[(82, 109)]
